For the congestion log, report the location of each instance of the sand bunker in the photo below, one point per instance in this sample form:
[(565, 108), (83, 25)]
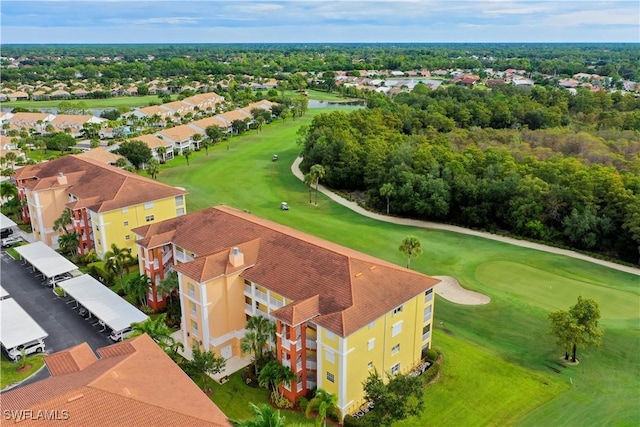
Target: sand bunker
[(449, 288)]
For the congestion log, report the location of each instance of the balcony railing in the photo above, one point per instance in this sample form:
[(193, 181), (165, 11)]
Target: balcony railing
[(311, 385), (182, 257), (299, 388), (286, 363), (311, 343), (247, 290), (299, 367), (262, 296), (166, 257), (275, 303), (312, 363), (426, 336)]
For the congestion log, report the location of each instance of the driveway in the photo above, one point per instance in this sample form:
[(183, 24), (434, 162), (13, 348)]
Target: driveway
[(66, 328)]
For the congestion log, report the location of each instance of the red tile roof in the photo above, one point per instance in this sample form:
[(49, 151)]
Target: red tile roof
[(134, 384), (352, 288), (110, 187)]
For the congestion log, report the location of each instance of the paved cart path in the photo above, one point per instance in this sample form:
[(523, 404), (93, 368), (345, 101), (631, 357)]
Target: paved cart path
[(295, 168)]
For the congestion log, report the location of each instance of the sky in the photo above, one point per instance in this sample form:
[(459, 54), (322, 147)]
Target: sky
[(318, 21)]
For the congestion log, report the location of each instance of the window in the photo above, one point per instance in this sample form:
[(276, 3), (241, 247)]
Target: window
[(148, 205), (192, 291), (395, 369), (330, 356), (330, 377), (372, 324), (179, 200), (370, 365), (371, 344), (427, 313), (396, 329), (127, 237), (150, 296), (330, 335), (397, 310), (194, 327), (426, 332), (180, 212), (428, 296), (395, 349), (125, 210), (149, 218), (126, 223), (192, 306)]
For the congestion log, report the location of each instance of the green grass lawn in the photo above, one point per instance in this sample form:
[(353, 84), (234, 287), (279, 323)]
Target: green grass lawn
[(9, 375), (233, 399), (127, 101), (510, 333), (495, 392)]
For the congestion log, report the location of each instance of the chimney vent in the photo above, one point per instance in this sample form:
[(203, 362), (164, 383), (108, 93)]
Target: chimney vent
[(236, 258), (62, 180)]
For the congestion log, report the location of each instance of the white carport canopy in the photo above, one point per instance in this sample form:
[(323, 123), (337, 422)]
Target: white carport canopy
[(113, 310), (49, 262), (3, 293), (17, 326), (6, 222)]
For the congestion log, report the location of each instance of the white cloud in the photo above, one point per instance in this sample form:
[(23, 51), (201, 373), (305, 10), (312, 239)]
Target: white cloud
[(174, 20)]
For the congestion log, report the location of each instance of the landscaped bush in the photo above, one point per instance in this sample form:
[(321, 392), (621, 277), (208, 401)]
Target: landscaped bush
[(302, 403), (431, 373), (431, 354), (351, 421)]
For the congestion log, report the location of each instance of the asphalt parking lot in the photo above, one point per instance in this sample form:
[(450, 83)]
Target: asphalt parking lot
[(57, 316)]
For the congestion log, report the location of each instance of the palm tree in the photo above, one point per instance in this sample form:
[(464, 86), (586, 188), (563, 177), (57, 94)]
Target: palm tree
[(69, 243), (411, 248), (265, 416), (11, 158), (324, 403), (186, 153), (259, 331), (205, 363), (162, 153), (63, 222), (157, 329), (308, 180), (138, 287), (273, 375), (8, 190), (153, 168), (196, 138), (117, 260), (215, 134), (387, 190), (317, 172), (169, 285)]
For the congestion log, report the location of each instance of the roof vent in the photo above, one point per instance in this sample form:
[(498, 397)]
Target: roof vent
[(359, 274)]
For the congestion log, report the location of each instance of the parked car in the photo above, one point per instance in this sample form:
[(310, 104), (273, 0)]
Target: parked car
[(6, 233), (11, 240), (284, 206), (59, 278), (36, 346), (120, 335), (274, 158)]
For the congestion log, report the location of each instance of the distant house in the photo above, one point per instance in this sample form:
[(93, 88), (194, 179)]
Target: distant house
[(181, 137), (60, 94), (18, 96), (154, 142), (79, 93)]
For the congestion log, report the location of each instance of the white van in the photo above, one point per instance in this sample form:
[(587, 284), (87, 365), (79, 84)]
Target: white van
[(120, 335), (36, 346)]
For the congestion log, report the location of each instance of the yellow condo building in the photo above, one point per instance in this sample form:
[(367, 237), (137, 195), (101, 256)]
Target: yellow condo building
[(106, 203), (339, 313)]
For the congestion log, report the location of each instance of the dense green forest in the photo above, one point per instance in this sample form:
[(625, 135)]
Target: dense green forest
[(535, 162), (195, 61)]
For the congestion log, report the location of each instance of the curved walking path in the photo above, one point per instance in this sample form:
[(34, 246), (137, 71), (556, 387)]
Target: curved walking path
[(295, 168)]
